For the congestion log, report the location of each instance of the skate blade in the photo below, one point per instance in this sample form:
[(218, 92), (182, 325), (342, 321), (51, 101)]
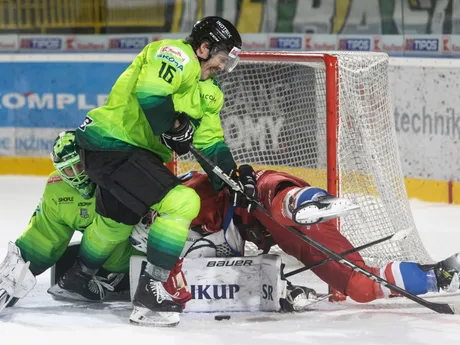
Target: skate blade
[(60, 294), (304, 305), (145, 317), (455, 308), (310, 214)]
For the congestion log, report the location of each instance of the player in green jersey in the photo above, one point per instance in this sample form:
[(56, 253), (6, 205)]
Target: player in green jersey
[(152, 111), (67, 205)]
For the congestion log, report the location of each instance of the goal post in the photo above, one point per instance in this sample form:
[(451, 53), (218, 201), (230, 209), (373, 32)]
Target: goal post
[(326, 118)]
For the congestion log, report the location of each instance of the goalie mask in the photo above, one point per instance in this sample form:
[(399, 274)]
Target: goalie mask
[(223, 38), (66, 161)]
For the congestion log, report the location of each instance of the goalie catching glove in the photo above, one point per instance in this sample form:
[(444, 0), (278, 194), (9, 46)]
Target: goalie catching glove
[(16, 280), (179, 139), (246, 178)]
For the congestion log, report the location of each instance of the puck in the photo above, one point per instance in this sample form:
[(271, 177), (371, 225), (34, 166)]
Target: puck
[(222, 317)]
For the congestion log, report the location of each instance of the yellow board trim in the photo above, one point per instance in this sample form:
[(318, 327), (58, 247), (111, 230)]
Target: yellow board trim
[(425, 190), (25, 166), (430, 190)]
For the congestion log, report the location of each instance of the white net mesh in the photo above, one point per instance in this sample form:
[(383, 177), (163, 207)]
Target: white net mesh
[(369, 164), (274, 117)]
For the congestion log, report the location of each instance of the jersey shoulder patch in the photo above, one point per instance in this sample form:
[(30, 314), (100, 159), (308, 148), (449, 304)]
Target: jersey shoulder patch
[(54, 179), (174, 55)]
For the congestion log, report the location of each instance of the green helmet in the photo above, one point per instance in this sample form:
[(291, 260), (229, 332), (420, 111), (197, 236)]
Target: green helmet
[(66, 161)]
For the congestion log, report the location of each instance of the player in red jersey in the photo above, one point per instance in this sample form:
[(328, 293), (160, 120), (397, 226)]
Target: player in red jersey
[(288, 198)]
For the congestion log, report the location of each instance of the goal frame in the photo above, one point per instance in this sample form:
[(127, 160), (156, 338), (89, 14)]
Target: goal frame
[(332, 100), (332, 103), (330, 63)]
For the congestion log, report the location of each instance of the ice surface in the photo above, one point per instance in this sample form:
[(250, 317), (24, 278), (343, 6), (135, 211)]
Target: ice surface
[(37, 319)]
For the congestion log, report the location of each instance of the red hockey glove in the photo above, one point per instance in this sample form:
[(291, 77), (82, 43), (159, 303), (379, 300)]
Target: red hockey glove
[(176, 285)]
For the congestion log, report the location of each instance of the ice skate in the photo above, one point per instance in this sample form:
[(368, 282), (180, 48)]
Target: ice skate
[(311, 205), (153, 306), (447, 273), (79, 284), (116, 285), (298, 298)]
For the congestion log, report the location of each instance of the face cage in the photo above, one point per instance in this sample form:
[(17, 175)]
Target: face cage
[(79, 179)]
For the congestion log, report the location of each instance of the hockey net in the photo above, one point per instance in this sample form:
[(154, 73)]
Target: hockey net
[(328, 119)]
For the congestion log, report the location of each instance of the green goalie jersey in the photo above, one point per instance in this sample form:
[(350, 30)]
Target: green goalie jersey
[(62, 211)]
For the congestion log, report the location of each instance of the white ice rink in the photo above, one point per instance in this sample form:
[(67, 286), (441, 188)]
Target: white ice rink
[(38, 319)]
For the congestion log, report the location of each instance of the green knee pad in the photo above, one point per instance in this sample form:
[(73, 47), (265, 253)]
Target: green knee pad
[(169, 231)]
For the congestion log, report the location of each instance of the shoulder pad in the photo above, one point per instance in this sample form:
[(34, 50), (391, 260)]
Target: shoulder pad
[(53, 179)]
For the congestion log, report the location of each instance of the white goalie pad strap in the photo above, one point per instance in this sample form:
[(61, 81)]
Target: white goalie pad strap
[(221, 243), (15, 276), (203, 247), (218, 244), (196, 247), (228, 284)]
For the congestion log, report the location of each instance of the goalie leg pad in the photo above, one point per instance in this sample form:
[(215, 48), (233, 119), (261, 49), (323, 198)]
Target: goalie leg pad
[(228, 284), (16, 280)]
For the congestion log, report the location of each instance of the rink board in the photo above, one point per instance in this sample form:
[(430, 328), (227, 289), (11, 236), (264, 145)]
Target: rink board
[(43, 94)]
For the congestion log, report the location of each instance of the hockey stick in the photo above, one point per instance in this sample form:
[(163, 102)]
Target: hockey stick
[(402, 234), (442, 308), (345, 253)]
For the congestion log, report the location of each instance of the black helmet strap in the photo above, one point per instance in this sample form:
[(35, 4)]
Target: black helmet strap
[(210, 47)]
